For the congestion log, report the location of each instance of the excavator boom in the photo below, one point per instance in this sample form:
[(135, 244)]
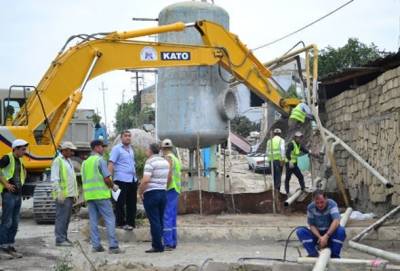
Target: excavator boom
[(60, 91)]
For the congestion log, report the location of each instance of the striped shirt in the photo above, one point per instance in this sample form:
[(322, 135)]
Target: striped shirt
[(157, 168), (322, 219)]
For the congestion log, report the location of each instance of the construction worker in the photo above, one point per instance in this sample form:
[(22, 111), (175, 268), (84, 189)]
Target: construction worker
[(323, 218), (65, 191), (298, 120), (276, 156), (152, 191), (12, 178), (9, 112), (96, 184), (293, 151), (173, 191)]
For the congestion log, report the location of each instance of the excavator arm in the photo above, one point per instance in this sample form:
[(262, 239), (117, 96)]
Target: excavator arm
[(60, 91)]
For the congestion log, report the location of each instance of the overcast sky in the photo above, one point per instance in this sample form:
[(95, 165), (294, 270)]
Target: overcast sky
[(32, 32)]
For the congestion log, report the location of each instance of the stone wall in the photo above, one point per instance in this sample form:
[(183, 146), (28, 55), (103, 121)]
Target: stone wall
[(367, 119)]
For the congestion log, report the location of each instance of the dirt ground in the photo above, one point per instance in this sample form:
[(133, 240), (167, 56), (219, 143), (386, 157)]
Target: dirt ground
[(36, 242)]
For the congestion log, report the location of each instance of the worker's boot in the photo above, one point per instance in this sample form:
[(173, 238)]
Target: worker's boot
[(5, 254)]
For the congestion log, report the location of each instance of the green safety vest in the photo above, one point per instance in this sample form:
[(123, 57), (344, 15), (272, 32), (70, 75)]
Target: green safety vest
[(275, 154), (8, 171), (94, 187), (298, 114), (176, 174), (295, 152), (64, 179)]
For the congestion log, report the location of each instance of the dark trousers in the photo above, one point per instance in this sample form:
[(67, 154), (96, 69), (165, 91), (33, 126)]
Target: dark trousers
[(11, 206), (277, 174), (297, 172), (125, 208), (63, 216), (154, 204), (310, 241)]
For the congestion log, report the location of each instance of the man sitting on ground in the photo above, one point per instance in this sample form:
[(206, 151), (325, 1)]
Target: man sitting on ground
[(323, 217)]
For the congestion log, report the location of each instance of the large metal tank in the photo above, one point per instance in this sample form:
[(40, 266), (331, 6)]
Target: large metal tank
[(193, 104)]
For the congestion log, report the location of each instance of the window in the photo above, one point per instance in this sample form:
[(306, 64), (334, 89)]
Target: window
[(11, 108)]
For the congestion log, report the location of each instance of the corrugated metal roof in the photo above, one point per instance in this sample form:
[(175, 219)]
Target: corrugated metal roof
[(377, 66), (335, 83)]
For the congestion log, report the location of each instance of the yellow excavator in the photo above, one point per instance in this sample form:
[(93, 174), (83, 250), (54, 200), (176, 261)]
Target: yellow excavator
[(48, 108)]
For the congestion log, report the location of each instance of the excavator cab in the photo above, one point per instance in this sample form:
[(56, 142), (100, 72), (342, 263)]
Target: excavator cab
[(11, 102)]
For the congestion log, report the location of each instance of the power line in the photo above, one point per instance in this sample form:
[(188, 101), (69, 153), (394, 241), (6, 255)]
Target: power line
[(304, 27)]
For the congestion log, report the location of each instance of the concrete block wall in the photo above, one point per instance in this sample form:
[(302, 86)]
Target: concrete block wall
[(367, 118)]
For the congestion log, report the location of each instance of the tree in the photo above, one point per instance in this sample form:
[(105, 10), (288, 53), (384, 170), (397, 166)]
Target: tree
[(241, 125), (96, 118), (352, 54), (129, 115)]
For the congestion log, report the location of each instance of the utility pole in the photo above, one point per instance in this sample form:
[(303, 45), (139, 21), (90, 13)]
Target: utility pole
[(104, 89), (123, 96), (136, 77)]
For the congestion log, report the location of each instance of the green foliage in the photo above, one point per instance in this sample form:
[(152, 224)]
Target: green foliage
[(140, 160), (292, 91), (96, 118), (129, 115), (241, 125), (352, 54)]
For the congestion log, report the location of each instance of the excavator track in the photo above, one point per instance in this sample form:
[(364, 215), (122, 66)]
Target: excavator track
[(44, 206)]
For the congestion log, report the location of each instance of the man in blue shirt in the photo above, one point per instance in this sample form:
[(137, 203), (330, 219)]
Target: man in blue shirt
[(122, 167), (323, 217)]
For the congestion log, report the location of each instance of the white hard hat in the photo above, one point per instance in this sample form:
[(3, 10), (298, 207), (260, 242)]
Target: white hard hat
[(67, 145), (298, 134), (166, 143), (277, 131), (19, 143)]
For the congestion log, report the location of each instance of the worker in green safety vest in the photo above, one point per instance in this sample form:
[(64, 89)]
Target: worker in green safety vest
[(299, 120), (173, 191), (65, 191), (275, 158), (97, 185), (12, 178), (293, 151)]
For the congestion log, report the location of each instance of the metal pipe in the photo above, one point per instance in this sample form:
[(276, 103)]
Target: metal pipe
[(345, 217), (272, 175), (178, 26), (374, 172), (375, 225), (323, 259), (292, 54), (391, 256), (367, 263), (293, 198)]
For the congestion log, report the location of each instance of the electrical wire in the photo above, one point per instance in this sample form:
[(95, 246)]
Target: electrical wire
[(304, 27), (288, 240)]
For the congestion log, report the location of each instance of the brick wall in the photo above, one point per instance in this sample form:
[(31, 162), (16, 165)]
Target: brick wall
[(367, 119)]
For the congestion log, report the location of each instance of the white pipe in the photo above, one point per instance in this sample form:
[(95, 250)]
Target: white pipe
[(325, 254), (367, 263), (323, 259), (345, 217), (293, 198), (375, 225), (391, 256), (360, 159)]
